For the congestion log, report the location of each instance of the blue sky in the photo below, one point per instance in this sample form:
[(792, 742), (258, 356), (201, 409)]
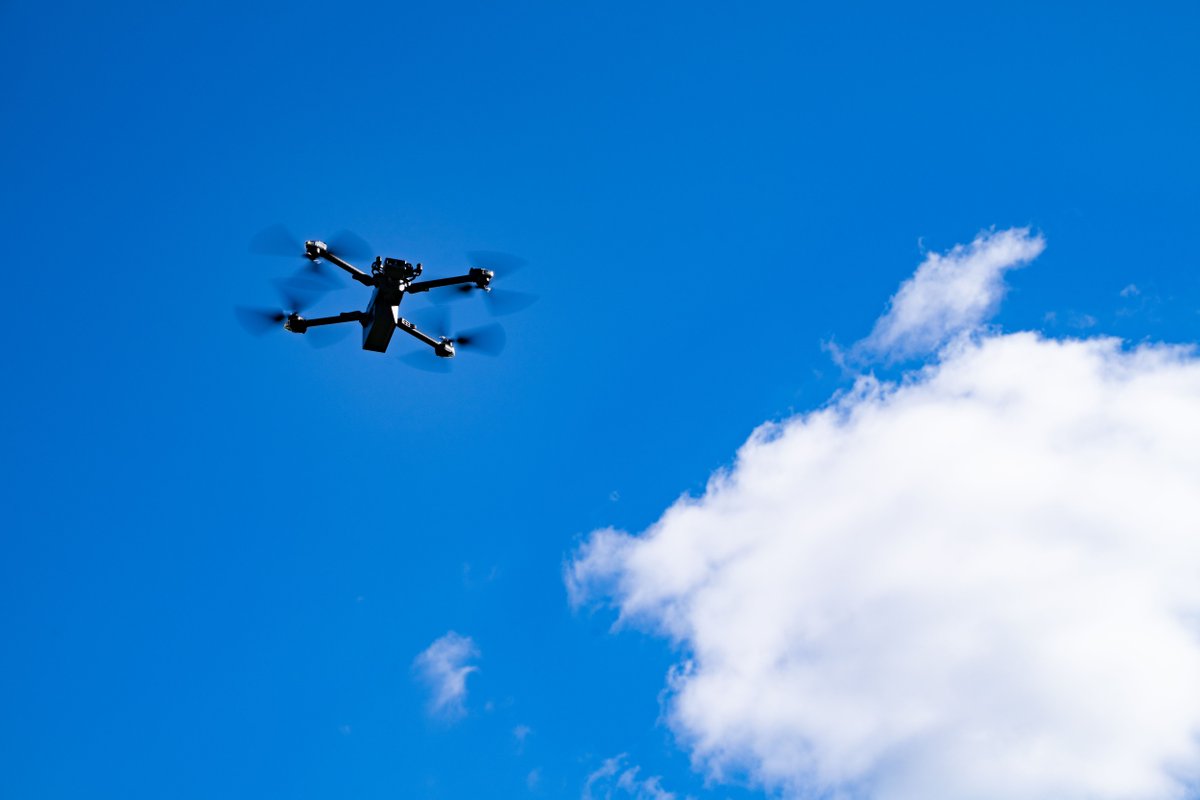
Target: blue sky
[(225, 553)]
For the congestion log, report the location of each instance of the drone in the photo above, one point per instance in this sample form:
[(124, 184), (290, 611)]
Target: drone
[(390, 280)]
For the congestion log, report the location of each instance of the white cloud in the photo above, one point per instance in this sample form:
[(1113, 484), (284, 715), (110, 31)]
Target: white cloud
[(950, 294), (613, 779), (444, 667), (982, 581)]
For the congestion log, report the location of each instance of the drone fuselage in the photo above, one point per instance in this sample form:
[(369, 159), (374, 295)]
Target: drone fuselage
[(381, 318)]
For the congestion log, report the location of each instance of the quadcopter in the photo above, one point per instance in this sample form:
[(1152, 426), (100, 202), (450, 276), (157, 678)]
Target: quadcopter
[(390, 280)]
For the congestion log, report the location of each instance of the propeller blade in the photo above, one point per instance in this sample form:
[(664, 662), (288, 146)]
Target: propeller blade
[(324, 336), (258, 321), (433, 321), (499, 301), (506, 301), (426, 361), (317, 276), (449, 294), (314, 280), (296, 298), (499, 263), (279, 241), (488, 340), (350, 246), (276, 241)]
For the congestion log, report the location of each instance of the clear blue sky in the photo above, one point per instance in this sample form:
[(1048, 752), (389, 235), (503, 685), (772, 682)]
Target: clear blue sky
[(222, 553)]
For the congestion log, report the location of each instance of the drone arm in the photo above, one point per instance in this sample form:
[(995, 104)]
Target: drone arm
[(357, 274), (412, 330), (345, 316), (480, 277)]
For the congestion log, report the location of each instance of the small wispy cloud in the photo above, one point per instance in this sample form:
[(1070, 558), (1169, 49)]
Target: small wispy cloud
[(521, 733), (950, 294), (444, 667), (614, 779)]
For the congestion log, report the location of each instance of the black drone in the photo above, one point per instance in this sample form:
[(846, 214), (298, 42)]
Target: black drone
[(390, 279)]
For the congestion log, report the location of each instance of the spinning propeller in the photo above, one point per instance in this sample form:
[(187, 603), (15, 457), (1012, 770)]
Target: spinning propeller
[(487, 340), (499, 301), (260, 320), (296, 298), (279, 241)]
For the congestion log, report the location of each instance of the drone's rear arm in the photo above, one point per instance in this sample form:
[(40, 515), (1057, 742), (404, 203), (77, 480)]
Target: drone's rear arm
[(413, 331)]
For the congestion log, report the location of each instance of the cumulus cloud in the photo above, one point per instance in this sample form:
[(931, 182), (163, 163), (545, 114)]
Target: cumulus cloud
[(444, 667), (614, 779), (981, 581), (950, 294)]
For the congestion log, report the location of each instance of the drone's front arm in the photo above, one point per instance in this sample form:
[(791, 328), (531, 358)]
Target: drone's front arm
[(298, 324), (316, 250), (480, 277)]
